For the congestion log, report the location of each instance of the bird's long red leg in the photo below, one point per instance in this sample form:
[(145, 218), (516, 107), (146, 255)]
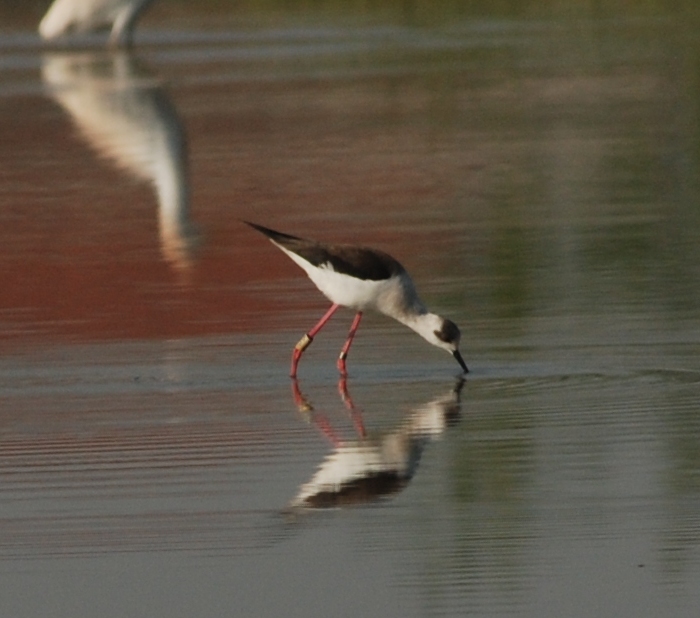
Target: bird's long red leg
[(306, 340), (348, 343)]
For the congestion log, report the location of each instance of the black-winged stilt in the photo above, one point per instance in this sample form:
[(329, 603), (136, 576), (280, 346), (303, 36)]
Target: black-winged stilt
[(360, 278)]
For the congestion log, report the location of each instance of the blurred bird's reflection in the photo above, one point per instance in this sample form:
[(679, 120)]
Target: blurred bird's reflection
[(66, 16), (366, 469), (126, 116)]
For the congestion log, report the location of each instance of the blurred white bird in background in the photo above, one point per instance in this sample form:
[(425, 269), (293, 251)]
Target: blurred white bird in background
[(66, 16)]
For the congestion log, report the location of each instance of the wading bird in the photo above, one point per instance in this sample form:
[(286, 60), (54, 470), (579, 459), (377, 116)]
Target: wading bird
[(360, 278)]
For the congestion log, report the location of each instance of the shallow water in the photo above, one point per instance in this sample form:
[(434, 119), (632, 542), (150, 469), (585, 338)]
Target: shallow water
[(538, 179)]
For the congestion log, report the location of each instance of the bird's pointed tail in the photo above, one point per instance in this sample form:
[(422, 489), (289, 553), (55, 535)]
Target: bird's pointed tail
[(273, 235)]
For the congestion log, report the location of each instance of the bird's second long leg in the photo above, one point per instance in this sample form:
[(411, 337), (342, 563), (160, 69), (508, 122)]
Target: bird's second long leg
[(306, 340), (348, 342)]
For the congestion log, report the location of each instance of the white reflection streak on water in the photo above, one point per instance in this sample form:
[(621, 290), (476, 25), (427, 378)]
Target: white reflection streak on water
[(126, 116)]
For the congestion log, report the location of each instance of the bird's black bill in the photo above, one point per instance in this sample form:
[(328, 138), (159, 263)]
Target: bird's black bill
[(460, 360)]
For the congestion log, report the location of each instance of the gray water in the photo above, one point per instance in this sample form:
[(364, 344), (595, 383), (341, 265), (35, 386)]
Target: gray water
[(539, 179)]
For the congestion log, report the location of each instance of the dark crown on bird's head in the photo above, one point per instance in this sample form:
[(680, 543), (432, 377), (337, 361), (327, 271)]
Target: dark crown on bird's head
[(449, 332)]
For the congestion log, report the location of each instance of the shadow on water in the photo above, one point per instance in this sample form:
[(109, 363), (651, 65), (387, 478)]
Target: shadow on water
[(123, 112)]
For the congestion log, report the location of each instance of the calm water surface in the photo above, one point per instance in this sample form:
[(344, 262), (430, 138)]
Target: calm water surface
[(540, 181)]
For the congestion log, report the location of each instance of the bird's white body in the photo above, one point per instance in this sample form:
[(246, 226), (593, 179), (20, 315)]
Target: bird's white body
[(395, 297), (387, 296), (65, 16)]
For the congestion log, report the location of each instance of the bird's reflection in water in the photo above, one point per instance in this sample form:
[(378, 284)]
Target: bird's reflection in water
[(125, 115), (66, 16), (371, 467)]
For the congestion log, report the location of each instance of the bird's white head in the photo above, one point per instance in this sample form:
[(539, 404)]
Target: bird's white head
[(442, 333)]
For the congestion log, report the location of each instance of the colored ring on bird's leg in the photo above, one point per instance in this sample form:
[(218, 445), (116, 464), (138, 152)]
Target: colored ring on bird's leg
[(304, 343)]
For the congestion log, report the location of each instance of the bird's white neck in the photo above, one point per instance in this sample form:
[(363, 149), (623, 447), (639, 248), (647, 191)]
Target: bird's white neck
[(422, 322)]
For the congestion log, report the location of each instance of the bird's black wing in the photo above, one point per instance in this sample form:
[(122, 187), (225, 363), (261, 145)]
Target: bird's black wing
[(358, 262)]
